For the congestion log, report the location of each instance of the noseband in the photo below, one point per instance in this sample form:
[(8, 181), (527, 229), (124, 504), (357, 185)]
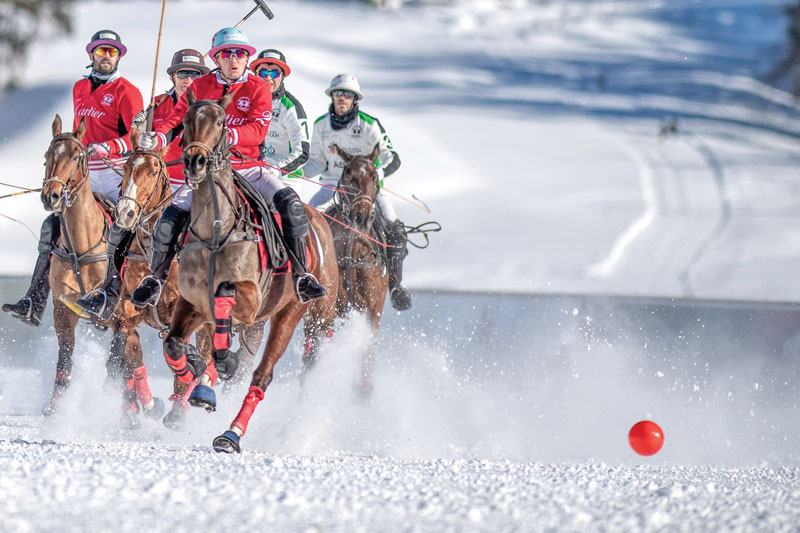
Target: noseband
[(143, 217), (219, 156), (82, 165)]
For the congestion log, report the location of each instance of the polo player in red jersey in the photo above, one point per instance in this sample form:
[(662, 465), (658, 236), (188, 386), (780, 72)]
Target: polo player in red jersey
[(187, 65), (248, 118), (108, 103)]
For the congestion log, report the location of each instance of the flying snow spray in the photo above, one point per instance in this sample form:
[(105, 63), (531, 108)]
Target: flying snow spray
[(646, 437)]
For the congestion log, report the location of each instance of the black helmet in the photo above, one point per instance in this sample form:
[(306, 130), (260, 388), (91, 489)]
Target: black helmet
[(273, 57)]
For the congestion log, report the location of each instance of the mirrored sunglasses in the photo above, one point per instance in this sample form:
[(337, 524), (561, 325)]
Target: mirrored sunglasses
[(273, 73), (106, 50), (228, 53), (341, 92), (183, 74)]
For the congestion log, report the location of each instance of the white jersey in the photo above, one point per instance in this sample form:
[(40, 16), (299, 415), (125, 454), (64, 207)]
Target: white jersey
[(358, 137), (286, 145)]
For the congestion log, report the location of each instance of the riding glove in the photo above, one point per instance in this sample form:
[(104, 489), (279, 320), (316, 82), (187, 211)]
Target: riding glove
[(149, 140), (98, 151)]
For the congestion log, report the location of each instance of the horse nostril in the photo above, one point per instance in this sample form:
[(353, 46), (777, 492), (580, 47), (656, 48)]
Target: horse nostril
[(200, 162), (131, 213)]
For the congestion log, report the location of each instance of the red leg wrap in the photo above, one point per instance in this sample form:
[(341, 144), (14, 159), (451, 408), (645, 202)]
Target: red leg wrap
[(254, 396), (222, 316), (180, 369), (307, 346), (143, 393), (62, 378)]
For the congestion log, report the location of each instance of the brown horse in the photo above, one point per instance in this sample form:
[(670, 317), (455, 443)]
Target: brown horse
[(363, 276), (145, 190), (79, 255), (220, 273)]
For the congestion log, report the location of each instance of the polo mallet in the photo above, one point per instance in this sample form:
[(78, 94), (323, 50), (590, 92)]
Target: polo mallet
[(260, 4), (151, 107)]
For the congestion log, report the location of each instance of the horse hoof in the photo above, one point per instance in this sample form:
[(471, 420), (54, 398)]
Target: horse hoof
[(228, 442), (129, 420), (158, 409), (204, 396), (176, 416)]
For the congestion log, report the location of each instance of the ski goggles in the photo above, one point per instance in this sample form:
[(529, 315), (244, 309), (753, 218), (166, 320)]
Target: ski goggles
[(183, 74), (273, 73), (106, 51), (228, 53), (343, 93)]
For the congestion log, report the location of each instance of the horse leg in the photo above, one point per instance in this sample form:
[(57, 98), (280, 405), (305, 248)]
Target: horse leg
[(225, 360), (282, 326), (186, 363), (151, 406), (64, 321), (318, 325), (203, 395), (250, 338), (363, 386)]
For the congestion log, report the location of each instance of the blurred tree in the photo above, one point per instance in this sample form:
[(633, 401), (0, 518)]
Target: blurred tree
[(789, 66), (21, 22)]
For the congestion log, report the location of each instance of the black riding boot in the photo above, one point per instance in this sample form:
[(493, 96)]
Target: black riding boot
[(397, 239), (295, 228), (165, 245), (31, 308), (103, 300)]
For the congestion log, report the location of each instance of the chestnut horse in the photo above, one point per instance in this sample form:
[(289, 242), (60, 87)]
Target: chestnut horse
[(79, 257), (145, 191), (363, 276), (220, 272)]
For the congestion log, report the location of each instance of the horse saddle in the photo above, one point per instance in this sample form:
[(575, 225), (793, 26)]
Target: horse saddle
[(272, 248)]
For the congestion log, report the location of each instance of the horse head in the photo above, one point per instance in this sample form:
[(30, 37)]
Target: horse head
[(358, 188), (145, 184), (204, 135), (66, 167)]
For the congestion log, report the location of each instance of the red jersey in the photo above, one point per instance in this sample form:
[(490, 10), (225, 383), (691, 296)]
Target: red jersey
[(247, 116), (166, 105), (109, 112)]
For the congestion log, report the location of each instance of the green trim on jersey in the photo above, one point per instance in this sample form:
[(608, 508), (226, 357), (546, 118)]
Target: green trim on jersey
[(320, 118), (366, 118), (287, 103)]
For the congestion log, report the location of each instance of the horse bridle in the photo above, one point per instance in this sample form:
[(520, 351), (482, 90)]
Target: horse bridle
[(346, 205), (217, 156), (143, 217), (82, 165)]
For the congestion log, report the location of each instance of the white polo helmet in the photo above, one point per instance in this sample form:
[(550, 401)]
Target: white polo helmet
[(345, 82)]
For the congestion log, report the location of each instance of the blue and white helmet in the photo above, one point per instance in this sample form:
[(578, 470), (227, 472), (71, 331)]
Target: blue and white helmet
[(345, 82), (230, 38)]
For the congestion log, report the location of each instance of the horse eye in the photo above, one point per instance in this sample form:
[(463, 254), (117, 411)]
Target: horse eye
[(219, 123)]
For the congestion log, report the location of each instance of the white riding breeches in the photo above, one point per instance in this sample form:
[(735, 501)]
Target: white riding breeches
[(264, 180), (106, 183)]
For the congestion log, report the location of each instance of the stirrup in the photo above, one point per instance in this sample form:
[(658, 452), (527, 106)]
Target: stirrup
[(152, 298), (312, 291), (90, 305)]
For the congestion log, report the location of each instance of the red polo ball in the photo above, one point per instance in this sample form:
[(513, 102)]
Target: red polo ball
[(646, 437)]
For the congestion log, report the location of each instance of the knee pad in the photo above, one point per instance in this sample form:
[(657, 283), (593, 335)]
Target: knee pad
[(292, 211)]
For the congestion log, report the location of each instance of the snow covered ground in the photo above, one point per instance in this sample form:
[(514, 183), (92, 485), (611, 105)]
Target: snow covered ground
[(532, 132)]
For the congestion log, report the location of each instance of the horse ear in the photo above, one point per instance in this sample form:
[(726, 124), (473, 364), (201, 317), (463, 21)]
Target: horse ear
[(344, 155), (225, 101), (81, 129), (190, 96), (57, 125), (376, 153), (135, 138)]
